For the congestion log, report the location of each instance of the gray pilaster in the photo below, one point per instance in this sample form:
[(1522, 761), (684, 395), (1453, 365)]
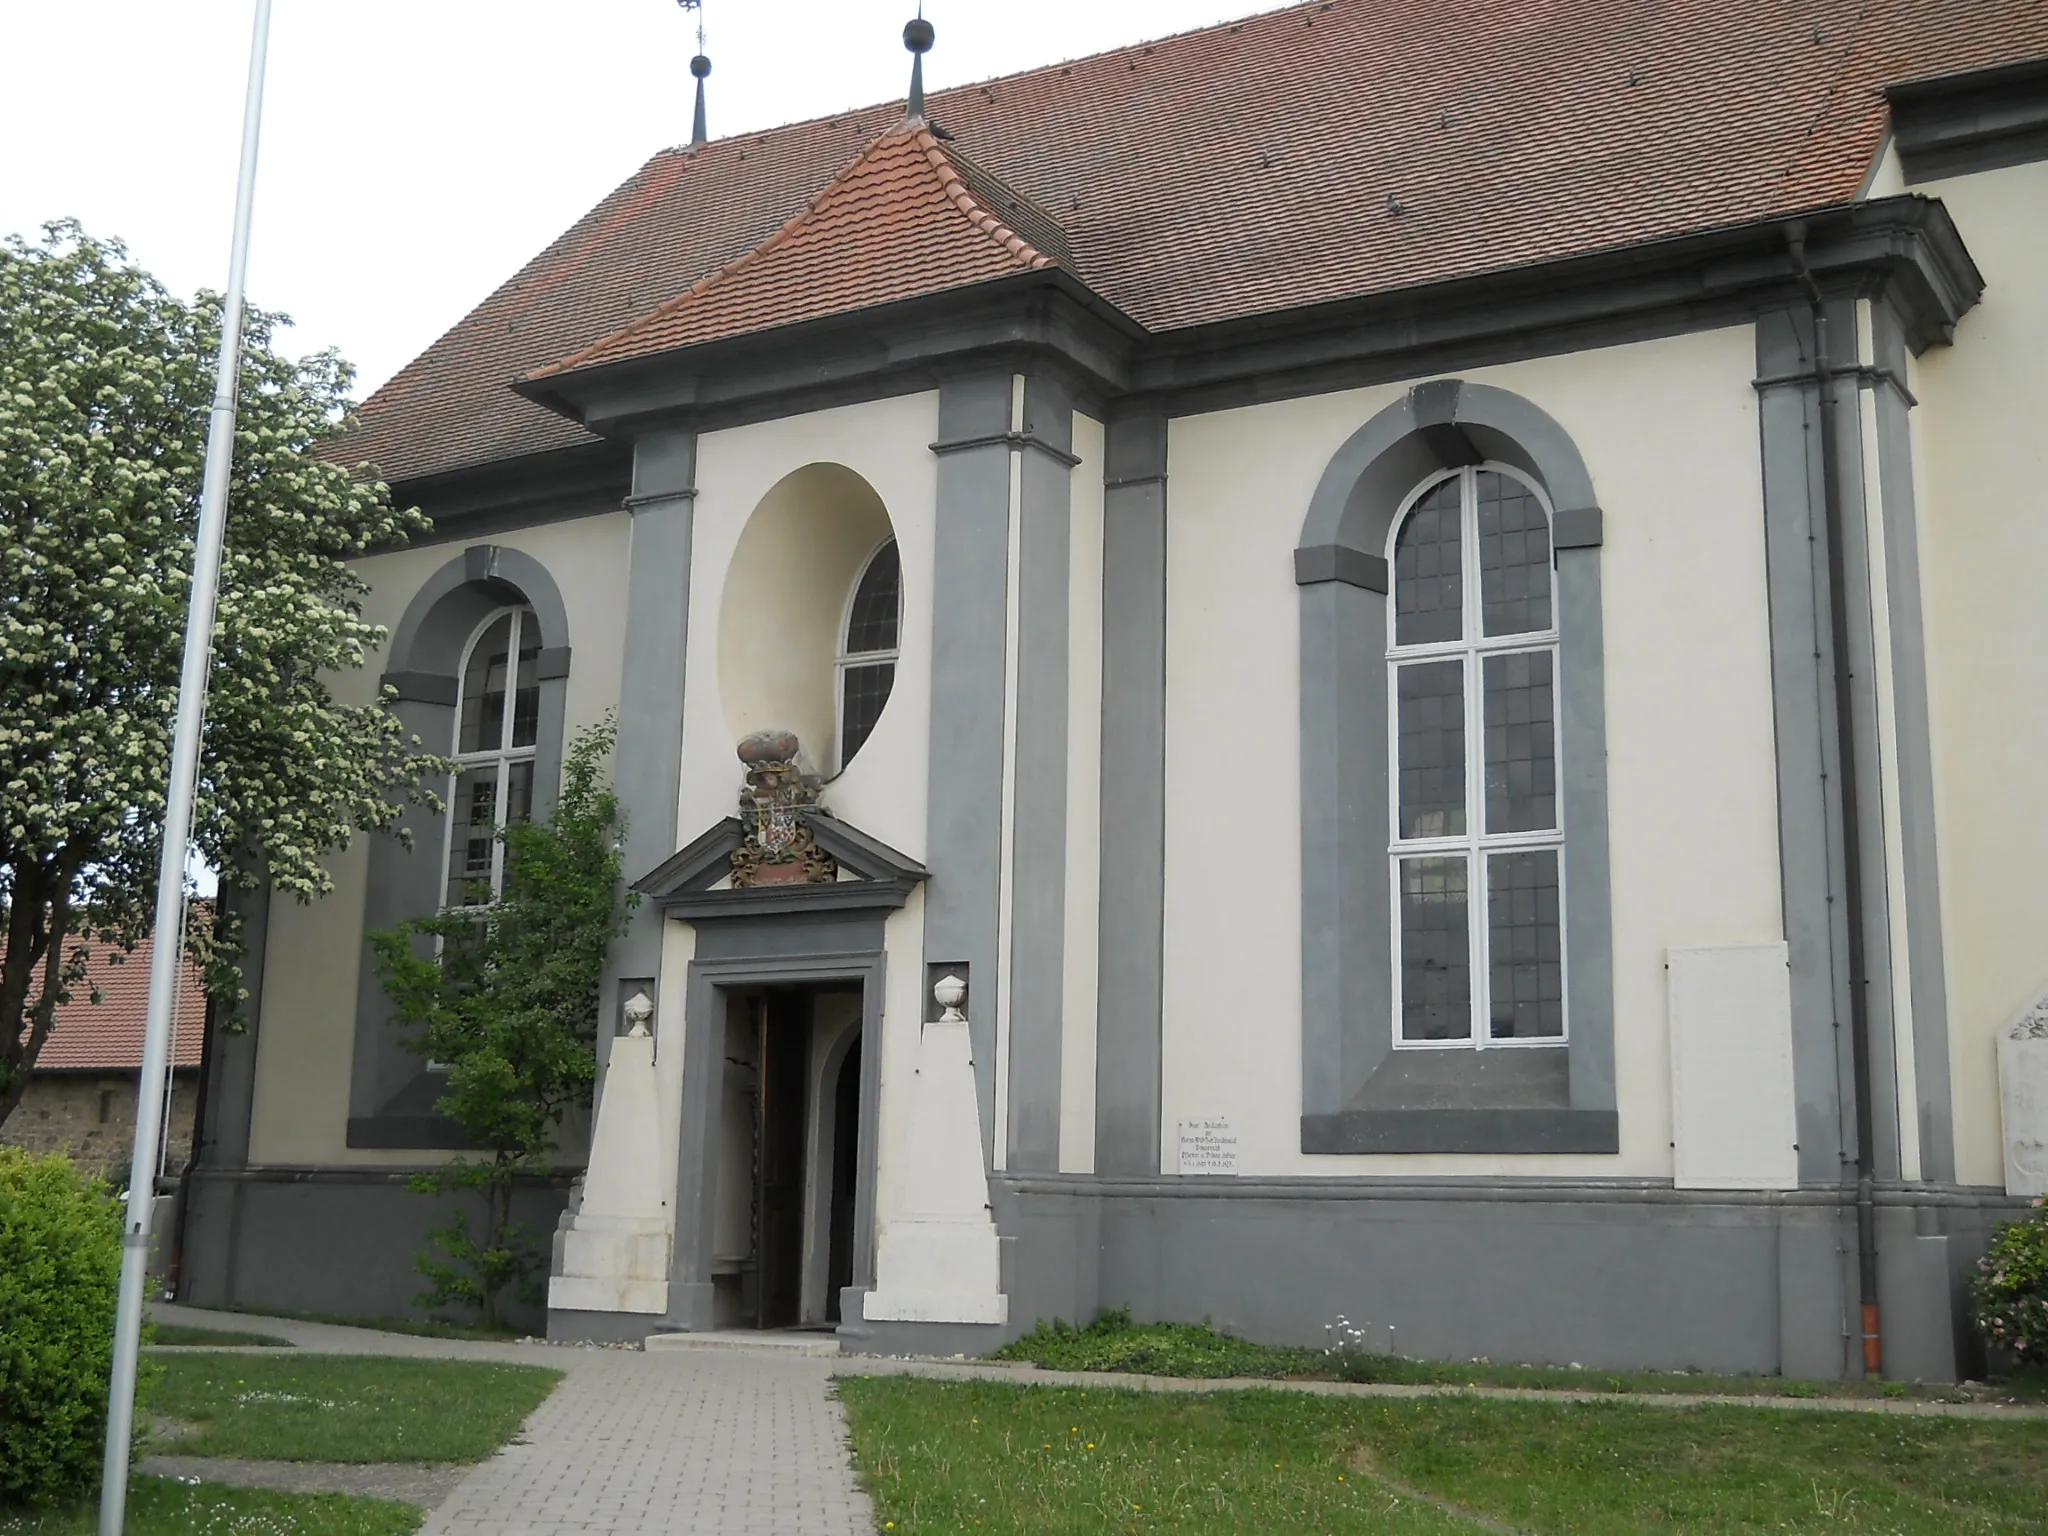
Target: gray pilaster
[(648, 763), (231, 1074), (1803, 706), (206, 1267), (1913, 733), (1127, 1048), (1872, 792), (1038, 839), (970, 600)]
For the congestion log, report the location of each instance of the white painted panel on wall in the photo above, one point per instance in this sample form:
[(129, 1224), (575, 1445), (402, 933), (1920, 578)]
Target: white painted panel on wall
[(2023, 1092), (1732, 1117)]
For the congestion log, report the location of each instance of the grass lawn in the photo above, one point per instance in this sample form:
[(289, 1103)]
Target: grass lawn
[(353, 1408), (162, 1507), (1114, 1343), (991, 1456), (214, 1338)]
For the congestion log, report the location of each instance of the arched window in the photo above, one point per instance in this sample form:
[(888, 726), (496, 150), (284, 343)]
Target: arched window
[(497, 726), (1477, 850), (867, 648)]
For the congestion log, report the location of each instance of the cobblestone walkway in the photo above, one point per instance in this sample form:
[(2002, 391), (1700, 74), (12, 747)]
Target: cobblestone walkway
[(737, 1443)]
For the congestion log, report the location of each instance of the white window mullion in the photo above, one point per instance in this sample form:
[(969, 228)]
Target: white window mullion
[(1475, 760)]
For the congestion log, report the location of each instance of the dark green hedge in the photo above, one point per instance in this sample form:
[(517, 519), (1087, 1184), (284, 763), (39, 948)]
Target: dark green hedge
[(60, 1268)]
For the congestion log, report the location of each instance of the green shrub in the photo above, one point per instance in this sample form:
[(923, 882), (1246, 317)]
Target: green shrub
[(1114, 1343), (2009, 1292), (60, 1268)]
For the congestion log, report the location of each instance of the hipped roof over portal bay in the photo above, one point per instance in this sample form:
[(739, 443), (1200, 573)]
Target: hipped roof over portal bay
[(1327, 151)]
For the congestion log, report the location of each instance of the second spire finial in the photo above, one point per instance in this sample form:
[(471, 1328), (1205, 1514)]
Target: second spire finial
[(918, 36)]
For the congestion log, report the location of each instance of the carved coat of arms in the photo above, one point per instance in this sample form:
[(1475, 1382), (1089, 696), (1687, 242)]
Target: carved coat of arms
[(778, 801)]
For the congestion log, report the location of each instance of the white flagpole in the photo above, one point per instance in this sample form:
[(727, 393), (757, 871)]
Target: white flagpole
[(184, 777)]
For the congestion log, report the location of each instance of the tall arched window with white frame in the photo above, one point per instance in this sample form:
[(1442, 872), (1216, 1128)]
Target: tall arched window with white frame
[(868, 644), (1478, 838), (497, 725)]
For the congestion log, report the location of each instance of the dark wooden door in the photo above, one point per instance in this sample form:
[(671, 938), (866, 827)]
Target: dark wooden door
[(779, 1197), (845, 1176)]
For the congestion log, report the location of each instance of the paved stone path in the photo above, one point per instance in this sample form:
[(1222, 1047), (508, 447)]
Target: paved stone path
[(737, 1443)]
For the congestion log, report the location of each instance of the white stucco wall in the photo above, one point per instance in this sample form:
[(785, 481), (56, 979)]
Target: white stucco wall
[(1668, 431), (1982, 473), (306, 1045), (887, 443)]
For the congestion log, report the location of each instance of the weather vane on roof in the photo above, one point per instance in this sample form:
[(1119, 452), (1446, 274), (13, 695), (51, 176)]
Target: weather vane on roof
[(700, 66)]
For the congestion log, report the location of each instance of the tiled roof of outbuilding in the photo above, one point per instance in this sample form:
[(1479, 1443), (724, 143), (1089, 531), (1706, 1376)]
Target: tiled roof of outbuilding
[(1325, 151), (107, 1035)]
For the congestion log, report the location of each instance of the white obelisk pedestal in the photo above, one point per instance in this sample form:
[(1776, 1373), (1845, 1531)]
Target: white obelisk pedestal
[(938, 1259), (615, 1250)]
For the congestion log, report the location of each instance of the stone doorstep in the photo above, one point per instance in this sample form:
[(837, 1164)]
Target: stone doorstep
[(781, 1341)]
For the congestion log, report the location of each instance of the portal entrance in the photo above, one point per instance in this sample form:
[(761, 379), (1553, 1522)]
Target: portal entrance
[(787, 1155)]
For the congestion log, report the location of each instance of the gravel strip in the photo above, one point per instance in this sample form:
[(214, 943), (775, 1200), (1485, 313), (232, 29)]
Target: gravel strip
[(406, 1482)]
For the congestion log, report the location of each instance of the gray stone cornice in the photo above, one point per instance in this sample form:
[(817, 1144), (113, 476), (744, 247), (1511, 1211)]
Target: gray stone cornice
[(1980, 120), (1905, 250)]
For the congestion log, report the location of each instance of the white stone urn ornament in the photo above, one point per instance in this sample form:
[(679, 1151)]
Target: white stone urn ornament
[(2023, 1099), (638, 1011)]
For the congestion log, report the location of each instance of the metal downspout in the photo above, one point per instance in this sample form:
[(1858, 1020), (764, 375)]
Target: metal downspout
[(1852, 843)]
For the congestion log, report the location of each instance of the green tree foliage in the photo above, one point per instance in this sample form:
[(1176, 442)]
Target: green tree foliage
[(60, 1266), (2009, 1291), (105, 384), (504, 993)]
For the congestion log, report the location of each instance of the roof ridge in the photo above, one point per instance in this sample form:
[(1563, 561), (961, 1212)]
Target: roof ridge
[(952, 181), (938, 95)]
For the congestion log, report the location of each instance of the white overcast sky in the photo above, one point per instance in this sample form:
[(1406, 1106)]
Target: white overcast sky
[(417, 152)]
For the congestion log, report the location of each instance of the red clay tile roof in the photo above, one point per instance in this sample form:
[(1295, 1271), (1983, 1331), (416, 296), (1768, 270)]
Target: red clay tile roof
[(1248, 168), (901, 221), (107, 1035)]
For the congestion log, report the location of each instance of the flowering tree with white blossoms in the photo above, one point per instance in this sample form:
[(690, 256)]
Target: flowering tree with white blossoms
[(105, 383)]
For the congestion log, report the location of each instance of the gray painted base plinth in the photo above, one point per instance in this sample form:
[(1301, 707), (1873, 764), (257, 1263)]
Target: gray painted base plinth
[(334, 1240), (943, 1341), (1610, 1276), (577, 1327)]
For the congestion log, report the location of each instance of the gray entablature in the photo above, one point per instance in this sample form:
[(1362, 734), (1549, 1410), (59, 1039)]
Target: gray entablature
[(1046, 321)]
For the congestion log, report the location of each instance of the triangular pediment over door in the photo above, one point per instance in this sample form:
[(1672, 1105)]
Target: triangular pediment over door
[(695, 882)]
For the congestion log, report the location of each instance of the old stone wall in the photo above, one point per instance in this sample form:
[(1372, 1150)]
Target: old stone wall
[(91, 1116)]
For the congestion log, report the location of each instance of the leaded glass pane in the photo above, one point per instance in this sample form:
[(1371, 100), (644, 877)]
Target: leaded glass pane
[(872, 623), (863, 692), (473, 808), (1429, 579), (1525, 939), (483, 689), (1430, 709), (526, 701), (1521, 742), (1514, 556), (1436, 956)]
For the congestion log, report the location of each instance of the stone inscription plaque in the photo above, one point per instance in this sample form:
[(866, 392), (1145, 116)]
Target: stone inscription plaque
[(1208, 1147)]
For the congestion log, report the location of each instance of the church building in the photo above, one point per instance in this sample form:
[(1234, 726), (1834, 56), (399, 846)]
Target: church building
[(1383, 662)]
